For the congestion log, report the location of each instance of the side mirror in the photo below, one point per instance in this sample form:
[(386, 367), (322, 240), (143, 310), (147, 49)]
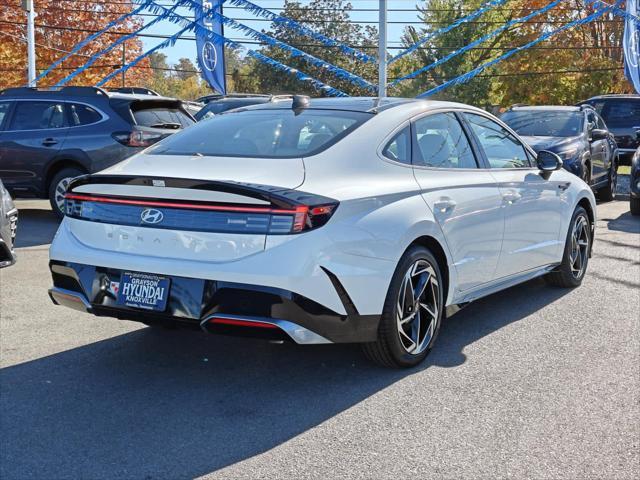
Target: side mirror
[(599, 134), (548, 161)]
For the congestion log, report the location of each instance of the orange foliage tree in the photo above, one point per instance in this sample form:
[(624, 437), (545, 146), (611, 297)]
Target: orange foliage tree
[(60, 25)]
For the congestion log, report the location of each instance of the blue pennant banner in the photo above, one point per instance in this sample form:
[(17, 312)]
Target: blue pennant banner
[(210, 52), (631, 44)]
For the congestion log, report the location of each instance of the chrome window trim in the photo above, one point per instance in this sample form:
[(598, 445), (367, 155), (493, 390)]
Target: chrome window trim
[(104, 116)]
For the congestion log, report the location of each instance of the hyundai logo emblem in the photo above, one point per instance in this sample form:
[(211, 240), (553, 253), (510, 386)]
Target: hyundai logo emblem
[(151, 216)]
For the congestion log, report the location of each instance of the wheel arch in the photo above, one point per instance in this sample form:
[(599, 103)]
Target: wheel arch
[(586, 204), (57, 166), (438, 251)]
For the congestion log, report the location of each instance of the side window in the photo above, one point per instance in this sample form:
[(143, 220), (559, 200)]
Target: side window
[(37, 116), (502, 149), (592, 121), (399, 147), (4, 110), (80, 114), (440, 142), (600, 123)]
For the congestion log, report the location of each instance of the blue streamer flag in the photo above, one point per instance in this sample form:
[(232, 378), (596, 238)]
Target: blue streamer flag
[(293, 51), (165, 15), (219, 39), (301, 29), (477, 42), (631, 44), (92, 37), (473, 15), (211, 54), (469, 75)]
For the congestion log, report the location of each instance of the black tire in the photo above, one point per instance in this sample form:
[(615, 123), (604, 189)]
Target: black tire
[(608, 193), (57, 185), (565, 276), (389, 350), (586, 173), (634, 204)]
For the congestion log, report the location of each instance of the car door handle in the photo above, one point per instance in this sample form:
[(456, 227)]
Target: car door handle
[(564, 186), (444, 205), (511, 197), (47, 142)]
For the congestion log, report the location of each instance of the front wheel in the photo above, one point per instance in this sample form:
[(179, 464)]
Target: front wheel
[(412, 312), (608, 193), (634, 204), (571, 271)]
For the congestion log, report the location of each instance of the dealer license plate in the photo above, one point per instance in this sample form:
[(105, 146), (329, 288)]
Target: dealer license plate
[(143, 290)]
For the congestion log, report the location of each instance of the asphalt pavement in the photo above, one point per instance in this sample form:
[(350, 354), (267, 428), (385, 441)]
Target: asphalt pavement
[(533, 382)]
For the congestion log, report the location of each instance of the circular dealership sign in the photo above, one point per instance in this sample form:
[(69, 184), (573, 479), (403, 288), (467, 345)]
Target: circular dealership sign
[(209, 56)]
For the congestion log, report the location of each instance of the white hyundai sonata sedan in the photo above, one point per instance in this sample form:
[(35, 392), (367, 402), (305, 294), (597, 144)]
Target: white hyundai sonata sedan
[(356, 220)]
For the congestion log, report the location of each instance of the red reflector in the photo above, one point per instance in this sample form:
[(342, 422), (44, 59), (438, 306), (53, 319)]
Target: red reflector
[(322, 210), (242, 323)]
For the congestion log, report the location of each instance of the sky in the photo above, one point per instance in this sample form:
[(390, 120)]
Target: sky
[(186, 48)]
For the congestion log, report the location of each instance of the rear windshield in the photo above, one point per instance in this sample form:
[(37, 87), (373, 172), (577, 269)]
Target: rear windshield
[(543, 123), (154, 114), (269, 133)]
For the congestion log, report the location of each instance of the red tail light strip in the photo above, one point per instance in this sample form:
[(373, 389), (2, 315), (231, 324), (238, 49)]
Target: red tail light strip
[(299, 212), (242, 323)]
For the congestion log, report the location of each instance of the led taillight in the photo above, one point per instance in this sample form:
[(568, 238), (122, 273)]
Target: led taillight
[(200, 216)]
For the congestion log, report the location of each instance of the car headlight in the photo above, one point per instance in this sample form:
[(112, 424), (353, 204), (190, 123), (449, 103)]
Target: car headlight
[(568, 153)]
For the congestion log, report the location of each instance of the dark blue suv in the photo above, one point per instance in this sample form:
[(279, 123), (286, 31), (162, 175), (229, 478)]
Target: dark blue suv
[(578, 135), (47, 137)]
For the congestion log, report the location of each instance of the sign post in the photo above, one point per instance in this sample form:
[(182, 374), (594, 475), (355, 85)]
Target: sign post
[(29, 7), (382, 50)]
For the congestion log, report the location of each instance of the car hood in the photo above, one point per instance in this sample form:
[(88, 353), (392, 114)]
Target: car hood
[(279, 172), (549, 143)]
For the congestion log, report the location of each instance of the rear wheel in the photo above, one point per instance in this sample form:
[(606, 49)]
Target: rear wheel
[(576, 253), (635, 206), (412, 312), (608, 193), (58, 187)]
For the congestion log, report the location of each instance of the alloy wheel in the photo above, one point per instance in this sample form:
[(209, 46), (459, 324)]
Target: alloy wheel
[(418, 307), (61, 189), (579, 247)]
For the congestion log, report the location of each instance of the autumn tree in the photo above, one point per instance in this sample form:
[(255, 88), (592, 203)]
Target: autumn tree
[(328, 17), (59, 27)]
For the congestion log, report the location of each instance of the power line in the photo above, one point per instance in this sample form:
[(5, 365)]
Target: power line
[(325, 21), (314, 45)]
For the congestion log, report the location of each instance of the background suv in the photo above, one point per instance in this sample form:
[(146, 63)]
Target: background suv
[(622, 114), (49, 137), (578, 135)]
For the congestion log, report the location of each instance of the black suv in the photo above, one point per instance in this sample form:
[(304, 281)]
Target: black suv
[(622, 114), (215, 104), (578, 135), (47, 137)]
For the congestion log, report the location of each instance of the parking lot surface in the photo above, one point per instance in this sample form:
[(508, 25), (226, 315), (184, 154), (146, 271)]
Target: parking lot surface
[(533, 382)]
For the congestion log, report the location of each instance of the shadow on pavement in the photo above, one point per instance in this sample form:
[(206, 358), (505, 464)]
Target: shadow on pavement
[(36, 227), (624, 223), (180, 404)]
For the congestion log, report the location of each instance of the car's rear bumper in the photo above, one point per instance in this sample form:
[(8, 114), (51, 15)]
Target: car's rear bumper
[(215, 307)]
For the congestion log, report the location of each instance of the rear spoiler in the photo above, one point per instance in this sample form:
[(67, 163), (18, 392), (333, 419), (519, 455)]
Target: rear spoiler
[(277, 196)]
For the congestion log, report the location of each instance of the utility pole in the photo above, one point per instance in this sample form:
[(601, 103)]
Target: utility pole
[(382, 50), (29, 7)]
